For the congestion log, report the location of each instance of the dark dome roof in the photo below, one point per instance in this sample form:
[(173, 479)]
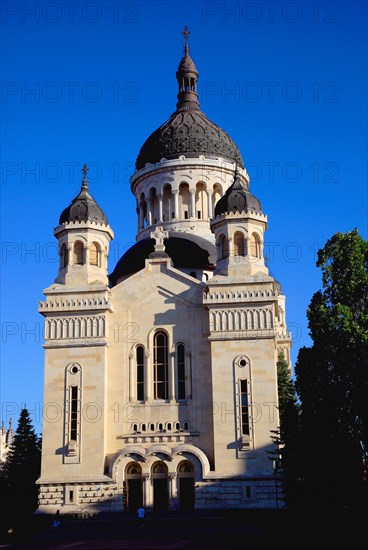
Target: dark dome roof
[(236, 199), (183, 252), (83, 208), (188, 131)]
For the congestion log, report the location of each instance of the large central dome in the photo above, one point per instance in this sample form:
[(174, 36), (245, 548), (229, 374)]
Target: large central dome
[(188, 131)]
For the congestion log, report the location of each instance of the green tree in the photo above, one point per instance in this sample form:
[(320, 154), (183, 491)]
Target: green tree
[(21, 470), (288, 434), (332, 374)]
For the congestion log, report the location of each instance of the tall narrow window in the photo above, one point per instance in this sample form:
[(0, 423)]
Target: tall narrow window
[(140, 373), (94, 254), (161, 385), (73, 413), (238, 244), (244, 411), (72, 429), (78, 253), (180, 354)]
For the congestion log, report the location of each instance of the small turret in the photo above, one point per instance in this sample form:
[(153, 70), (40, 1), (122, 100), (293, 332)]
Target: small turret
[(239, 225), (84, 235)]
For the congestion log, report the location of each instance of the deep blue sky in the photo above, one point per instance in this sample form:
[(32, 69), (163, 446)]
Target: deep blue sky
[(287, 81)]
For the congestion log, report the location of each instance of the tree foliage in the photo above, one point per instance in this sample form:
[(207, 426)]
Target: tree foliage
[(21, 469), (288, 434), (332, 374)]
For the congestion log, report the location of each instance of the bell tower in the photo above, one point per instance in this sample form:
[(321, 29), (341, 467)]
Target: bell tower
[(83, 236), (239, 226)]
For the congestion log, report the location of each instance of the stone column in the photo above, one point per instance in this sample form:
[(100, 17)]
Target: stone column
[(70, 254), (172, 490), (148, 377), (149, 211), (141, 215), (209, 205), (87, 254), (145, 490), (193, 213), (172, 377), (159, 198), (188, 375), (176, 203), (132, 378)]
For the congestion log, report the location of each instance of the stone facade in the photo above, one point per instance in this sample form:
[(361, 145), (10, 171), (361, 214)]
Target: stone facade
[(160, 380), (6, 440)]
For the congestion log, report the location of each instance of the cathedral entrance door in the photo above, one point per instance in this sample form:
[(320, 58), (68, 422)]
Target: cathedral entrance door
[(186, 485), (134, 493), (160, 486)]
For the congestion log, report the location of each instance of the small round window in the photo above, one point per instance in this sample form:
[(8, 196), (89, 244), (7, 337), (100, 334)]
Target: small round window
[(242, 361)]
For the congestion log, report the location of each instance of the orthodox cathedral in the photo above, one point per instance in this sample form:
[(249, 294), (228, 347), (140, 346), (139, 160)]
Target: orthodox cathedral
[(160, 378)]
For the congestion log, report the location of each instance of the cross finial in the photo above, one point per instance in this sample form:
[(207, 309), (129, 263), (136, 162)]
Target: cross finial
[(84, 172), (159, 235), (186, 33)]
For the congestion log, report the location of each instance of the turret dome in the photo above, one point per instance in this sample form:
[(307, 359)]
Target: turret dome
[(83, 207), (237, 198)]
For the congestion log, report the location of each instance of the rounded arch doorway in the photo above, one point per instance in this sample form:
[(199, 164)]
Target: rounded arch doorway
[(160, 486), (133, 486), (186, 474)]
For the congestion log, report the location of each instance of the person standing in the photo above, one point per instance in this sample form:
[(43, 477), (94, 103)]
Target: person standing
[(141, 514)]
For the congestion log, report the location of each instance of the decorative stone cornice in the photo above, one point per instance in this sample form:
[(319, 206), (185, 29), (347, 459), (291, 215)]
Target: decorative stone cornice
[(239, 296), (158, 438), (61, 304), (84, 225), (217, 164), (236, 215)]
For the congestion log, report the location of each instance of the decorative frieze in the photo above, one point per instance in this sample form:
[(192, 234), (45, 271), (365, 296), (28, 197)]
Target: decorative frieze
[(241, 319), (75, 327)]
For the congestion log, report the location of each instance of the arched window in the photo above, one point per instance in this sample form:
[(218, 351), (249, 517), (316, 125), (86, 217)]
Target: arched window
[(224, 247), (201, 201), (140, 373), (185, 467), (78, 257), (186, 473), (180, 357), (238, 244), (216, 195), (94, 254), (154, 207), (167, 204), (142, 211), (63, 256), (160, 363), (184, 201), (134, 468), (133, 490), (255, 246), (160, 468)]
